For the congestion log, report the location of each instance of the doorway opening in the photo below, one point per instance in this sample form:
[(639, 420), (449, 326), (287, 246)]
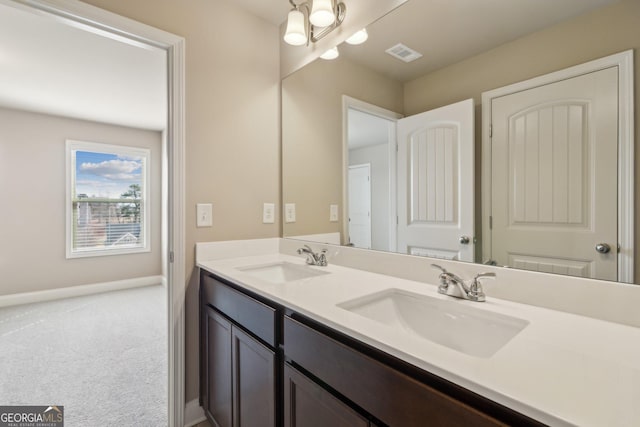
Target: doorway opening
[(369, 177), (99, 22)]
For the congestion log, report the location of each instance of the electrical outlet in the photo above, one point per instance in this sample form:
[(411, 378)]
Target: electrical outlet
[(204, 215), (268, 213), (290, 212), (333, 213)]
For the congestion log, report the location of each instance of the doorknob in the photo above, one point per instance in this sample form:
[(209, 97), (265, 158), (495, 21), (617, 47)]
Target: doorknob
[(464, 240), (603, 248)]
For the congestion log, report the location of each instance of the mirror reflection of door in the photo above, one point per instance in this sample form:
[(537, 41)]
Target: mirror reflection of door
[(371, 142), (562, 199), (436, 183), (360, 205)]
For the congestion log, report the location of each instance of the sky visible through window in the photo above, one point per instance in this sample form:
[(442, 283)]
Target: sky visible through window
[(106, 175)]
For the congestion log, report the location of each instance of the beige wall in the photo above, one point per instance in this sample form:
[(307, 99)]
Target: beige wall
[(232, 125), (604, 32), (33, 215), (312, 136)]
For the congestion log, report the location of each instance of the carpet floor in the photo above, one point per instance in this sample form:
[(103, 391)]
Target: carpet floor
[(103, 357)]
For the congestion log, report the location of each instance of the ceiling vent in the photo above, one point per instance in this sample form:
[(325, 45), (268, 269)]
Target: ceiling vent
[(403, 53)]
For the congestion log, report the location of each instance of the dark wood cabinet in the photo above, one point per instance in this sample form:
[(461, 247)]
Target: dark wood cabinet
[(254, 379), (388, 395), (306, 404), (218, 389), (238, 381), (262, 368)]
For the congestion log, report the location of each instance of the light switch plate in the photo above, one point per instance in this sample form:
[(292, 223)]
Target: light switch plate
[(268, 213), (204, 215), (290, 212), (333, 213)]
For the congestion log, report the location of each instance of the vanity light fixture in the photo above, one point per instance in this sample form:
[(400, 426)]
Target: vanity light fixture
[(359, 37), (331, 53), (312, 20)]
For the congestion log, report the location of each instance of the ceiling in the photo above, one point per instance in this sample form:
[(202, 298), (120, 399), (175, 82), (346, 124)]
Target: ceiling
[(444, 31), (50, 67), (449, 31)]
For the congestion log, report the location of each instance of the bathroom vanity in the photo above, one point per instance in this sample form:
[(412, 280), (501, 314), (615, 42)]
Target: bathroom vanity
[(284, 343)]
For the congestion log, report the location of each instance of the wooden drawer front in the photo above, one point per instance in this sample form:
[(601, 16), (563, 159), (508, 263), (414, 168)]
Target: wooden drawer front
[(253, 315), (394, 398)]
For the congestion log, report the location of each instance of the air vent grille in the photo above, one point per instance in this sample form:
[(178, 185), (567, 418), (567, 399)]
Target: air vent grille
[(403, 53)]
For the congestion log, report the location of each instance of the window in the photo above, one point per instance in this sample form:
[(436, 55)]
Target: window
[(107, 199)]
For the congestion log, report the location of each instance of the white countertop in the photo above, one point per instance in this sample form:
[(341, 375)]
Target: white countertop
[(562, 369)]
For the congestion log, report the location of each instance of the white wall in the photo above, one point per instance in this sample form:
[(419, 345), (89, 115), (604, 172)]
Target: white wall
[(378, 156), (32, 217)]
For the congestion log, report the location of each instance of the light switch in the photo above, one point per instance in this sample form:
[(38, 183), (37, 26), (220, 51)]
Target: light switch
[(333, 213), (290, 212), (204, 215), (268, 213)]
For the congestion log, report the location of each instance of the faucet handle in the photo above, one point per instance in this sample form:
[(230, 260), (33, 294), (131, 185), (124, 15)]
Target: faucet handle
[(444, 277), (479, 275), (475, 289)]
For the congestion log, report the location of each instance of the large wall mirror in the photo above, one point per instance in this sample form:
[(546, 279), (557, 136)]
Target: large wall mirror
[(346, 178)]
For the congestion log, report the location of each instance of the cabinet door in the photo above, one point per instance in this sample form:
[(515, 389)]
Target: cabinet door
[(218, 388), (306, 404), (254, 386)]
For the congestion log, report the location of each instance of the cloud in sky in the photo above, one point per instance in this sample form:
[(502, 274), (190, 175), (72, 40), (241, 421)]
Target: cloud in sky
[(106, 174), (115, 169)]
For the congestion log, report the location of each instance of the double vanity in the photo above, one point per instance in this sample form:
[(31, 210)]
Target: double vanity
[(288, 343)]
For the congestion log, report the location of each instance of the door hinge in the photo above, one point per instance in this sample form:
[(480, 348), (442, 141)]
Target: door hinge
[(490, 131), (490, 222), (396, 147), (171, 256), (397, 220)]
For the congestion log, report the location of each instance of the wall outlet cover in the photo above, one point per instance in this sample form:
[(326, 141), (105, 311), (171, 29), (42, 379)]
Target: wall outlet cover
[(333, 213), (269, 213), (290, 212)]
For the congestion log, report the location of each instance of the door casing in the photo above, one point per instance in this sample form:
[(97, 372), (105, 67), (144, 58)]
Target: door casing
[(102, 22)]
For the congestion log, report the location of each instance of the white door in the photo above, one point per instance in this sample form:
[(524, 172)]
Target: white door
[(436, 183), (554, 177), (360, 206)]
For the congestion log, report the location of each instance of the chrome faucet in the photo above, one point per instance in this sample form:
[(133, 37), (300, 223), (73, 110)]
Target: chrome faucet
[(454, 286), (314, 258)]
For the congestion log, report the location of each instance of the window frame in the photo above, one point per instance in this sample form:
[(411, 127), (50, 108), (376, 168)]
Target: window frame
[(72, 146)]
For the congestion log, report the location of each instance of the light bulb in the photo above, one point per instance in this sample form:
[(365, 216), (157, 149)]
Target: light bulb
[(331, 53), (359, 37), (296, 33), (322, 14)]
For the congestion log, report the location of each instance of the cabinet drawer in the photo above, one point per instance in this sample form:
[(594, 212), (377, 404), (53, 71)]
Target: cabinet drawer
[(391, 396), (250, 313)]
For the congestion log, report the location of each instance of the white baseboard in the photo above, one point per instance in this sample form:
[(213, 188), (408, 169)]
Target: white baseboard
[(193, 413), (76, 291)]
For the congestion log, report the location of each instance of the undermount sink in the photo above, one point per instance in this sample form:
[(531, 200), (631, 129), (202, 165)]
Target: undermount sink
[(281, 272), (466, 329)]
